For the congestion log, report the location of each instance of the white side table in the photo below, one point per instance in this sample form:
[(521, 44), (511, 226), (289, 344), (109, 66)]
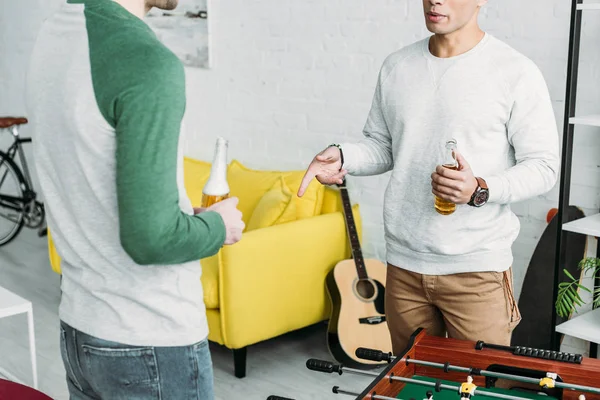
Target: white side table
[(11, 304)]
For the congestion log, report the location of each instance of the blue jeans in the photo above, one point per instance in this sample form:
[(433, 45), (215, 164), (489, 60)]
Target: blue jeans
[(99, 369)]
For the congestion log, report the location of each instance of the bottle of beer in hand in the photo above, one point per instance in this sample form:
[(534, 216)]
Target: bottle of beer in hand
[(217, 188), (442, 206)]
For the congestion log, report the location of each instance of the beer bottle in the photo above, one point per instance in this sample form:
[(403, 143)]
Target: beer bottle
[(217, 188), (442, 206)]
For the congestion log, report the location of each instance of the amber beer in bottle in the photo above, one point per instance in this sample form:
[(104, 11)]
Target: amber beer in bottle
[(442, 206), (217, 188)]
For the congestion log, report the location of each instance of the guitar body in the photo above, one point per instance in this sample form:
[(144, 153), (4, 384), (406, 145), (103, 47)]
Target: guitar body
[(356, 288), (358, 312)]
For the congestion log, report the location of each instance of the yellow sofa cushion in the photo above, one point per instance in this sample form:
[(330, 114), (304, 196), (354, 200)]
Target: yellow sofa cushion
[(311, 202), (277, 206), (250, 185)]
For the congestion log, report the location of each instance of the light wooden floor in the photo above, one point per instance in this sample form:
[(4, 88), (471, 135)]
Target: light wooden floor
[(274, 367)]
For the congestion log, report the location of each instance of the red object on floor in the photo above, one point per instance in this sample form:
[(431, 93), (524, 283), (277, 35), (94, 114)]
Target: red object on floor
[(15, 391), (551, 214)]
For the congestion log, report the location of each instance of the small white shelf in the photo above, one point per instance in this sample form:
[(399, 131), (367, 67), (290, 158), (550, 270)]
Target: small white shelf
[(587, 226), (592, 120), (11, 304), (591, 6), (583, 326)]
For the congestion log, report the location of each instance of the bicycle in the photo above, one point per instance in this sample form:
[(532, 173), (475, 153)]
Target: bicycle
[(18, 201)]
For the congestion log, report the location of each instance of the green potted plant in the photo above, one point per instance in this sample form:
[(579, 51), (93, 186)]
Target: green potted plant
[(568, 292)]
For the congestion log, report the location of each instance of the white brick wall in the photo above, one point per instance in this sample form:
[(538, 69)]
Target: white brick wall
[(291, 76)]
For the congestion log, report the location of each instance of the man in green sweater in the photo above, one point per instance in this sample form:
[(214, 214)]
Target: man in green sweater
[(106, 100)]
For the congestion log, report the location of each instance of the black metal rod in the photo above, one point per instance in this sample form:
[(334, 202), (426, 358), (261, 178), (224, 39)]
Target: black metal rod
[(481, 344), (567, 148), (535, 353)]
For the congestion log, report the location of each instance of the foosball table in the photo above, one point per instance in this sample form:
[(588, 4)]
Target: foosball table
[(437, 368)]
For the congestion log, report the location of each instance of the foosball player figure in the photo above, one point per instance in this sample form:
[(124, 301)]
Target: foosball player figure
[(467, 389), (549, 381), (430, 395)]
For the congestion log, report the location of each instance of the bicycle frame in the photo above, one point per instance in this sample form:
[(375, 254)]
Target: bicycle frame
[(28, 194)]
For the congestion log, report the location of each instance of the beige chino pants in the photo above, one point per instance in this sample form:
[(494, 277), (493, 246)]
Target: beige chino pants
[(468, 306)]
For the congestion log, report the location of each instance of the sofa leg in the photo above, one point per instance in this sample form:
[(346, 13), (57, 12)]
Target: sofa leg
[(239, 362)]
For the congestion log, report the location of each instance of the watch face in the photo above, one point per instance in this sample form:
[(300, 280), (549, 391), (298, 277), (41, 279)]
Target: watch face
[(481, 198)]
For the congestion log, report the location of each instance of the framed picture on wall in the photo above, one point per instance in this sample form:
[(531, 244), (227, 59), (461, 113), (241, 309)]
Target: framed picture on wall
[(185, 31)]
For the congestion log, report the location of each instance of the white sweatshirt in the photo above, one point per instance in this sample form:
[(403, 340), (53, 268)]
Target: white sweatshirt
[(495, 103)]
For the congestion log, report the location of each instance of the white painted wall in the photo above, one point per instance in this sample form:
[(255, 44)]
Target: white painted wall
[(19, 24), (291, 76)]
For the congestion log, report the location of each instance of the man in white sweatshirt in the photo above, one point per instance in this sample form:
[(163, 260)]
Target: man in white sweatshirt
[(452, 273)]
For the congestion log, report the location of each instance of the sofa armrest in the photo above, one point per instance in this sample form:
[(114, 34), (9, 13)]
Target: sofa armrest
[(273, 280)]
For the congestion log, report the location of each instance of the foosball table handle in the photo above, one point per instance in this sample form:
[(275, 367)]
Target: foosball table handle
[(323, 366), (373, 355), (535, 353)]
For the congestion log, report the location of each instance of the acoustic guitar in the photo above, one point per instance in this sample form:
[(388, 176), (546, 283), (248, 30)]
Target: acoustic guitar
[(356, 288)]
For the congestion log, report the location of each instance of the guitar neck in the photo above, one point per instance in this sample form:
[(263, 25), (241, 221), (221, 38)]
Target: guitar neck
[(353, 234)]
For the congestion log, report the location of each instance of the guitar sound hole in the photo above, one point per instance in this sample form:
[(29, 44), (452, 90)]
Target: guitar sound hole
[(365, 289)]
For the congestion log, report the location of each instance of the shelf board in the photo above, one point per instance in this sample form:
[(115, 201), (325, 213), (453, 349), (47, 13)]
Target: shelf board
[(592, 120), (11, 304), (591, 6), (587, 226), (585, 326)]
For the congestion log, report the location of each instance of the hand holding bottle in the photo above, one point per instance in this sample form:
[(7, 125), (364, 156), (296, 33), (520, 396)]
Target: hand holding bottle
[(455, 185), (232, 217)]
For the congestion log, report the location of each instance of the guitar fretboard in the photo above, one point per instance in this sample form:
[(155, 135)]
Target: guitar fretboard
[(353, 234)]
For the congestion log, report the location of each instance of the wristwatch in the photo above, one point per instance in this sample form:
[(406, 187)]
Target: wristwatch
[(480, 195)]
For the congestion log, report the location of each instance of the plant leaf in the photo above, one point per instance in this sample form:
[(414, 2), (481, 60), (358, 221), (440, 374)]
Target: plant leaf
[(570, 276), (584, 288)]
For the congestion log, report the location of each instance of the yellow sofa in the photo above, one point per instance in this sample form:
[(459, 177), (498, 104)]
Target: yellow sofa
[(273, 280)]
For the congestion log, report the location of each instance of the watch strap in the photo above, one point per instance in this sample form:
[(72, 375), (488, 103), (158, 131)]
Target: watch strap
[(341, 153), (482, 184)]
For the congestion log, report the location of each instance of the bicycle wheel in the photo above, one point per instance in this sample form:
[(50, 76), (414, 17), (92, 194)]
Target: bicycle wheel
[(12, 186)]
